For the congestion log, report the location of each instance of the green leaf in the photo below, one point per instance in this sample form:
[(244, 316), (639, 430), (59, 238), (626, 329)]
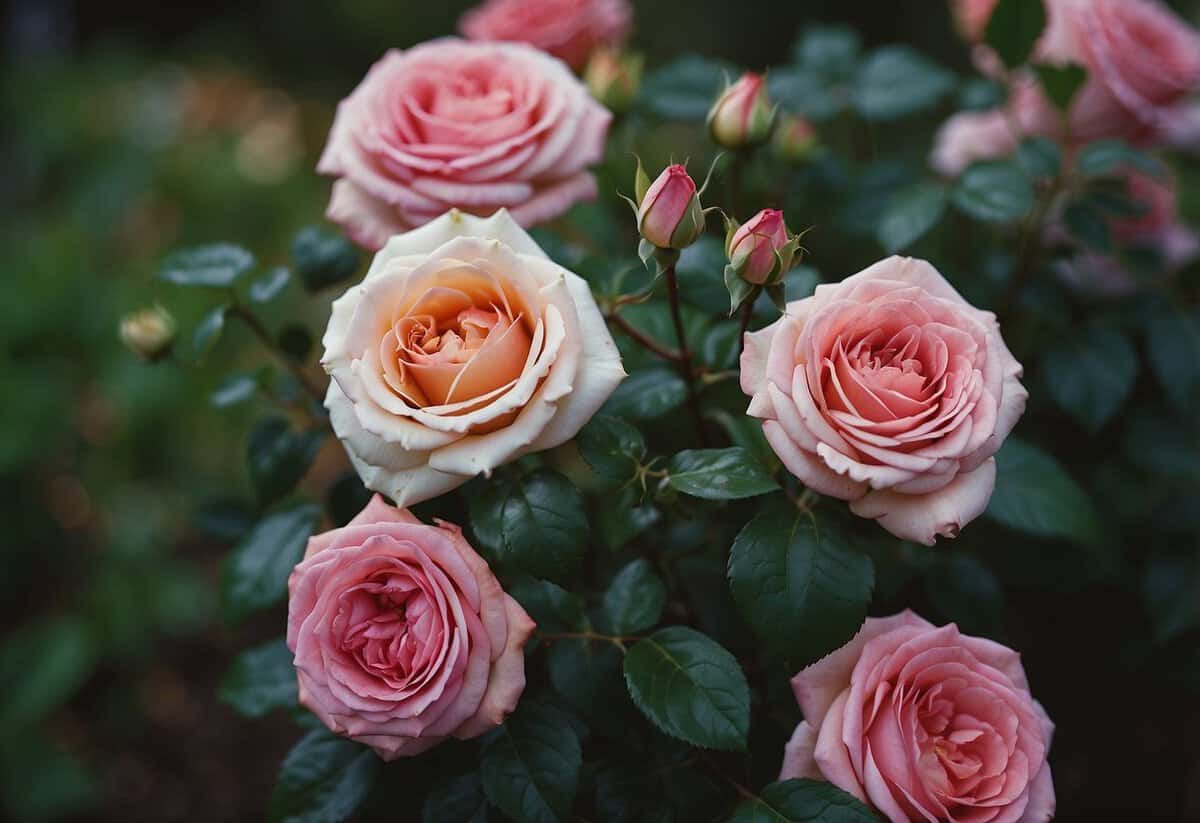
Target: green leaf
[(1039, 157), (1107, 157), (235, 388), (278, 456), (720, 347), (909, 215), (1171, 594), (690, 687), (719, 474), (1061, 83), (647, 395), (270, 285), (981, 94), (531, 765), (635, 599), (586, 673), (895, 81), (256, 572), (1173, 345), (802, 588), (699, 271), (208, 331), (1090, 373), (830, 49), (261, 680), (1089, 226), (535, 522), (1014, 29), (551, 606), (41, 780), (994, 191), (323, 258), (323, 779), (685, 88), (1035, 495), (613, 448), (42, 665), (457, 800), (802, 801), (295, 341), (215, 266), (966, 592)]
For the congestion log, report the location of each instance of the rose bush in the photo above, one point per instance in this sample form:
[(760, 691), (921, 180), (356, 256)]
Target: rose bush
[(476, 126), (925, 723), (402, 634), (890, 391), (463, 348)]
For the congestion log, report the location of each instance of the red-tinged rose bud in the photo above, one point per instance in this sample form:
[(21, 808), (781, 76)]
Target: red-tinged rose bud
[(742, 115), (670, 215), (613, 77), (755, 250), (149, 333), (794, 139)]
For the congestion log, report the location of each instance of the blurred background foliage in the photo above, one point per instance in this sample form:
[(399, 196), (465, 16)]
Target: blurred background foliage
[(132, 128)]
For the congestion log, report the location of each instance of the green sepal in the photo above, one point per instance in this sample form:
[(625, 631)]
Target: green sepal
[(739, 290), (778, 294), (641, 183)]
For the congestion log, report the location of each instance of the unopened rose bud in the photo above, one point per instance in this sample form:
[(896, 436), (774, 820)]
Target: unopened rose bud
[(794, 139), (148, 332), (755, 249), (742, 115), (613, 78), (669, 214)]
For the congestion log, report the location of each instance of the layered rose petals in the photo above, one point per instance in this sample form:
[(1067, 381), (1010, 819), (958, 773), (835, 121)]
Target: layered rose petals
[(569, 29), (463, 348), (890, 391), (402, 635), (925, 723), (449, 123)]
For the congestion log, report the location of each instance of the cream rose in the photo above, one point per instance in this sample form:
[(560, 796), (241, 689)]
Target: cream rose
[(464, 347), (891, 391)]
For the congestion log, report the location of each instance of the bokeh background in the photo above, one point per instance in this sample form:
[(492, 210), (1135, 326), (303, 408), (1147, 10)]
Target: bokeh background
[(131, 128)]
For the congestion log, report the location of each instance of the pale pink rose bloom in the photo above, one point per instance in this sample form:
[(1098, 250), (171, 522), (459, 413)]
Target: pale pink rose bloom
[(402, 635), (891, 391), (742, 115), (569, 29), (463, 348), (969, 136), (754, 246), (667, 215), (474, 126), (925, 724)]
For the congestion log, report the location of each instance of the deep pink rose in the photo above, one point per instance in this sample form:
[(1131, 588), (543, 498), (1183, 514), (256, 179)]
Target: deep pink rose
[(476, 126), (402, 634), (891, 391), (925, 724), (568, 29), (754, 248), (669, 215)]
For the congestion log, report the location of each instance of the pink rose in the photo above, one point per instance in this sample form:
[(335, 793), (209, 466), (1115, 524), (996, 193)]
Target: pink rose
[(475, 126), (568, 29), (755, 247), (402, 634), (891, 391), (669, 215), (925, 724), (742, 115), (971, 136)]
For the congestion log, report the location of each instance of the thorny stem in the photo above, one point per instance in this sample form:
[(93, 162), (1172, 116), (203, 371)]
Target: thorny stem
[(742, 791), (685, 355), (642, 338), (260, 331), (1031, 242), (747, 311)]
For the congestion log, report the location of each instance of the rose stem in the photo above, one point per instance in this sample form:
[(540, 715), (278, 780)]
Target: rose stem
[(260, 331), (747, 311), (685, 355), (641, 337)]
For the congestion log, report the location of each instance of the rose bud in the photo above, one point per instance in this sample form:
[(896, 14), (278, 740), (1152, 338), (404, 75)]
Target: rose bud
[(613, 78), (669, 211), (742, 115), (760, 250), (148, 333), (795, 139)]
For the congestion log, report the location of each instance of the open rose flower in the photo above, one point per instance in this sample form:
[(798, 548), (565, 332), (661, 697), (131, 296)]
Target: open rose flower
[(463, 348), (476, 126), (925, 724), (891, 391), (402, 635), (568, 29), (970, 136)]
